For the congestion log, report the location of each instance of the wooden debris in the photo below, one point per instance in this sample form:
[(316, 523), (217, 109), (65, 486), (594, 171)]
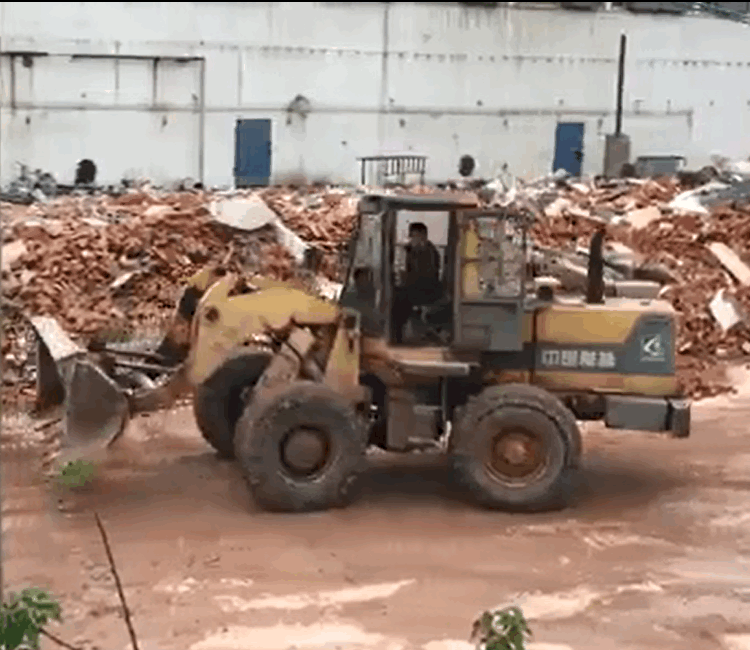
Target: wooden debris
[(731, 262)]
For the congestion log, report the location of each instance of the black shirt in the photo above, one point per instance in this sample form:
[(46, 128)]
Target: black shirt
[(422, 267)]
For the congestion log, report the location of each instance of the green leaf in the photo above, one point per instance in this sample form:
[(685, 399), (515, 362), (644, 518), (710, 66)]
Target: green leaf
[(76, 474), (504, 629), (23, 616)]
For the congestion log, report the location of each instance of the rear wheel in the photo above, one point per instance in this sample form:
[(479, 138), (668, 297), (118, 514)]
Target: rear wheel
[(513, 448), (219, 402), (302, 449)]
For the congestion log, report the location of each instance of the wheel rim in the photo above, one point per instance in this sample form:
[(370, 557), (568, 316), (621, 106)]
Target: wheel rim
[(516, 457), (305, 451)]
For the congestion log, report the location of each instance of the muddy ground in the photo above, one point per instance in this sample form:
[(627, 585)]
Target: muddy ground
[(653, 554)]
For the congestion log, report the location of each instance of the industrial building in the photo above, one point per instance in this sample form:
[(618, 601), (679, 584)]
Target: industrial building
[(263, 92)]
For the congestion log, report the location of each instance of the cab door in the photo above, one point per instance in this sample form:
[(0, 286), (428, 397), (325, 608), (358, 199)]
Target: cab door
[(490, 282)]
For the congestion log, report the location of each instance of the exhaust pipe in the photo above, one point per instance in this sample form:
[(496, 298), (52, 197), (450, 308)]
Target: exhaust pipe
[(595, 275)]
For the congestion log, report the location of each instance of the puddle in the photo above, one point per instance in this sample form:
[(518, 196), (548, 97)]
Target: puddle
[(736, 641), (708, 572), (449, 644), (732, 518), (737, 468), (603, 541), (14, 523), (734, 612), (543, 529), (184, 587), (538, 606), (731, 504), (643, 588), (320, 636), (190, 584), (556, 606), (322, 599), (326, 636), (236, 583)]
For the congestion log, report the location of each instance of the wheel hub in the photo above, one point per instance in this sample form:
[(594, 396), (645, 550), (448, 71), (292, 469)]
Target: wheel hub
[(516, 455), (305, 451)]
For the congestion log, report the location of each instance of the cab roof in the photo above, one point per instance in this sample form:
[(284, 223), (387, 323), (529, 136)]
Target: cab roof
[(377, 202)]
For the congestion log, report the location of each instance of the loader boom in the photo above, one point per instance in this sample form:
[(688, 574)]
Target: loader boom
[(212, 325)]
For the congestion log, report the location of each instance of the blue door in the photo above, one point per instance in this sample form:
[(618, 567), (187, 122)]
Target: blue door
[(569, 147), (252, 156)]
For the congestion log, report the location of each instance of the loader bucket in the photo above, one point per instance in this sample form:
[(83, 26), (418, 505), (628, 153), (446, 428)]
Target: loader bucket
[(96, 408), (93, 407)]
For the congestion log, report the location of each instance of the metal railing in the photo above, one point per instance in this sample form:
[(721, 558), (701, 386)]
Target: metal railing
[(388, 166)]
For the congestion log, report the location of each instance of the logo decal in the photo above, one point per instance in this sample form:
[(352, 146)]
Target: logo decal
[(652, 348), (579, 359)]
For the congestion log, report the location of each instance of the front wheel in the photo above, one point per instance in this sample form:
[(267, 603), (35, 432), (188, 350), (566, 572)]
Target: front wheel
[(512, 450), (219, 402), (302, 449)]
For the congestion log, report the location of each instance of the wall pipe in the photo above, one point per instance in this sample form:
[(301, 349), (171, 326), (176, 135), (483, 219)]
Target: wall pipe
[(559, 113), (2, 301), (383, 109), (202, 123), (620, 84)]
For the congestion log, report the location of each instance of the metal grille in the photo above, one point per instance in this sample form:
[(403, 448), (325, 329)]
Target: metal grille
[(398, 166)]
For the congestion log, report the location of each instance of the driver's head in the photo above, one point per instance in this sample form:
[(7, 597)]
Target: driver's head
[(417, 234)]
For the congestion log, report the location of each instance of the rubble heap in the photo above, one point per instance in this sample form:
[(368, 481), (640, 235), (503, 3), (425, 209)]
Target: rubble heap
[(85, 254), (645, 216), (103, 261), (324, 219)]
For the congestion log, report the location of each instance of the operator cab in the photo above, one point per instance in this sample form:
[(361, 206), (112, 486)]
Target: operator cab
[(481, 276)]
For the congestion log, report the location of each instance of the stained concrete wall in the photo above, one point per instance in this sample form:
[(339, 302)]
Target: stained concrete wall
[(434, 78)]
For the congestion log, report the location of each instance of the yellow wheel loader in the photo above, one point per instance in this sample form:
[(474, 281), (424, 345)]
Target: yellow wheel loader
[(495, 372)]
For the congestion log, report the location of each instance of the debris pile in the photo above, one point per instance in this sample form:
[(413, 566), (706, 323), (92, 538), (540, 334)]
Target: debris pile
[(84, 254), (697, 250), (30, 186), (324, 219), (103, 262)]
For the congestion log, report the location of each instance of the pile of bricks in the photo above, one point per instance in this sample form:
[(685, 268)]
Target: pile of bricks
[(324, 218), (105, 263), (82, 256), (638, 215), (94, 262)]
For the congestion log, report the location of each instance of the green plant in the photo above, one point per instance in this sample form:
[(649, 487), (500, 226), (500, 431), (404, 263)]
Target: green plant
[(77, 473), (503, 629), (23, 616)]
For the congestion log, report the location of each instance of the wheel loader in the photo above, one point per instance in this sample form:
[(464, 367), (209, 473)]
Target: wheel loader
[(296, 388)]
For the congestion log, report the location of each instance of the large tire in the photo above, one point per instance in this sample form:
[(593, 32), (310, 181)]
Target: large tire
[(539, 422), (265, 429), (218, 403), (552, 405)]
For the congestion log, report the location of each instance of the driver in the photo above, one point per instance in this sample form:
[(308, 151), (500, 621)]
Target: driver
[(421, 282)]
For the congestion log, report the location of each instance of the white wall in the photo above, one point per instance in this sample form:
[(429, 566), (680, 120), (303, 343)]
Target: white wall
[(490, 83)]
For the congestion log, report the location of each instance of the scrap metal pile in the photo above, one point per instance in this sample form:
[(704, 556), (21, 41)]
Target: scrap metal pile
[(105, 262)]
